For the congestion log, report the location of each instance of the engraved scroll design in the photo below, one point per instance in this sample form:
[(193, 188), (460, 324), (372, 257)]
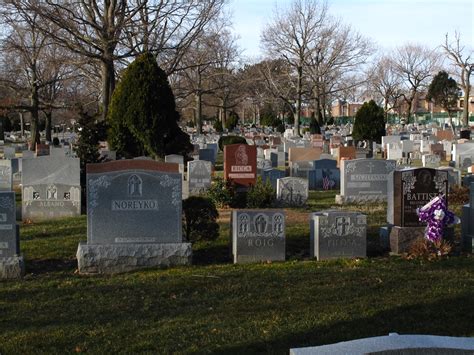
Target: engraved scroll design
[(167, 181), (409, 180), (93, 189), (350, 167), (6, 202), (440, 182), (390, 166)]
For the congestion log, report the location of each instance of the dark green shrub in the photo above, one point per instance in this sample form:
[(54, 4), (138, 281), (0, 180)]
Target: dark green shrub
[(261, 195), (281, 128), (226, 140), (369, 123), (314, 127), (199, 219), (142, 115)]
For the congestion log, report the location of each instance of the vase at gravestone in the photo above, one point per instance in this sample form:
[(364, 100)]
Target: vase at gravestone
[(240, 164), (6, 175), (11, 263), (410, 189), (258, 235), (364, 180), (50, 188), (133, 217), (338, 234), (292, 191), (199, 176), (467, 222)]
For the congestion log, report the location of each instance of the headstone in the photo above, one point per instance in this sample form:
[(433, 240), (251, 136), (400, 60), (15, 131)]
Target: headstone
[(292, 191), (345, 153), (364, 180), (57, 152), (199, 176), (258, 235), (133, 217), (325, 175), (454, 176), (42, 150), (430, 160), (176, 159), (240, 164), (303, 154), (394, 151), (338, 234), (263, 164), (28, 154), (6, 175), (50, 188), (272, 175), (11, 263), (9, 152), (207, 155), (467, 222), (410, 189)]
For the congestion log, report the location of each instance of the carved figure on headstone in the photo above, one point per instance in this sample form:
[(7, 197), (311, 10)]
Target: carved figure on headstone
[(52, 193), (260, 224), (243, 224), (341, 226), (134, 186), (278, 223), (241, 157)]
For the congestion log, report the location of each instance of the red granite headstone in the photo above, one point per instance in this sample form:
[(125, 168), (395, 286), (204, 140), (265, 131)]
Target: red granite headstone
[(240, 164)]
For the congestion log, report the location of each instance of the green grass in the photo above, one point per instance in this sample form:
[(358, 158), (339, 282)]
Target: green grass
[(217, 307)]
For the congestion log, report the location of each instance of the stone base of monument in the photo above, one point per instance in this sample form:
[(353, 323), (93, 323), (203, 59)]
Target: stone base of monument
[(342, 200), (117, 258), (402, 238), (395, 344), (12, 267)]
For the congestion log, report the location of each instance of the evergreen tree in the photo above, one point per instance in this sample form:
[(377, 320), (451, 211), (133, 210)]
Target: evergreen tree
[(444, 92), (142, 115), (369, 122)]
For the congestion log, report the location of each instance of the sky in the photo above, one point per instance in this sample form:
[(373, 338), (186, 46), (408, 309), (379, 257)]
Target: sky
[(389, 23)]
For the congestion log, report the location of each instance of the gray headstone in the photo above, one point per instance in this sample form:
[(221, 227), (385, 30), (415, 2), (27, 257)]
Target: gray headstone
[(199, 176), (6, 175), (364, 180), (9, 242), (338, 234), (258, 235), (292, 191), (207, 155), (50, 188), (272, 175), (9, 152), (467, 222)]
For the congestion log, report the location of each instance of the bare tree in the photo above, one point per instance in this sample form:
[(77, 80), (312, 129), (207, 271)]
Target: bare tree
[(290, 36), (384, 83), (337, 54), (415, 64), (462, 59)]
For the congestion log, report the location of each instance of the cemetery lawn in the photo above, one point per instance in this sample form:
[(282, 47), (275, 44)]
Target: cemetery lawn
[(217, 307)]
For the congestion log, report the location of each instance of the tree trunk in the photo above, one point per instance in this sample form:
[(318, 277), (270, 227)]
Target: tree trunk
[(198, 98), (299, 94), (48, 127), (34, 101), (465, 107), (108, 84)]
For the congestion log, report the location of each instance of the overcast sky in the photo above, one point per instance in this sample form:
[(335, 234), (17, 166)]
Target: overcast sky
[(388, 22)]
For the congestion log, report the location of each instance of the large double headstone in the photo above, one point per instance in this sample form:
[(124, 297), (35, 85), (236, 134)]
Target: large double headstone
[(338, 234), (258, 235), (364, 180), (11, 263), (408, 190), (133, 217), (50, 188)]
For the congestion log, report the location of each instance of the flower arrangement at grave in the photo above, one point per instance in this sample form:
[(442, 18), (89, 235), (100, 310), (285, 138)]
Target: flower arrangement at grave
[(437, 217)]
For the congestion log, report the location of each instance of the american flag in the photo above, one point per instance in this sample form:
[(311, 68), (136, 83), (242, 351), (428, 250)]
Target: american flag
[(326, 183)]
